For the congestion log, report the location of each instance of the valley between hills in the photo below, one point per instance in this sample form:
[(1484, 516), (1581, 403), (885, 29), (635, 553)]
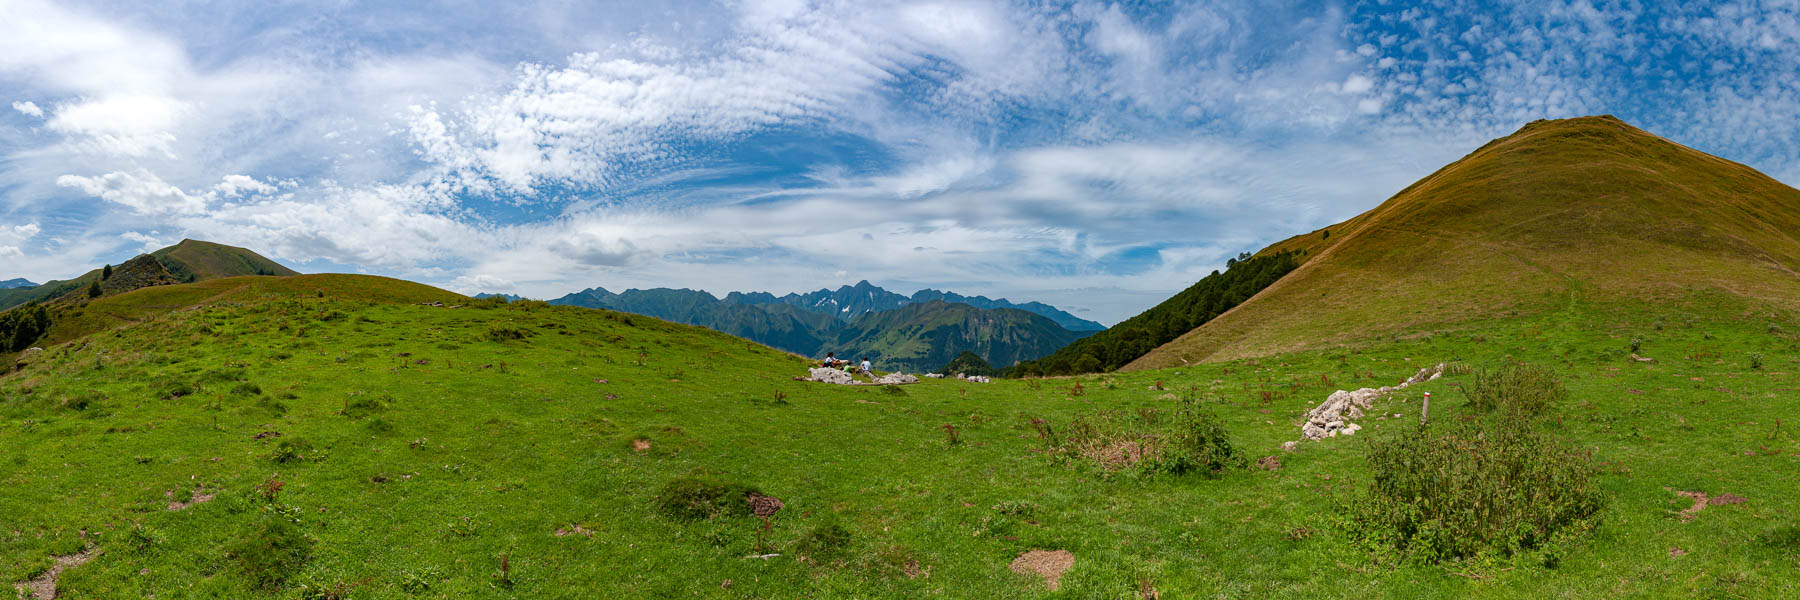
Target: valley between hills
[(1604, 322)]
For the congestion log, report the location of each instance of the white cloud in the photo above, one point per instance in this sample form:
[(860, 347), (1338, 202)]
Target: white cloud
[(28, 108), (146, 243), (139, 190), (237, 185)]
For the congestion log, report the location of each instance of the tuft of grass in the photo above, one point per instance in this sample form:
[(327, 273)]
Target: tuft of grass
[(701, 498), (271, 551)]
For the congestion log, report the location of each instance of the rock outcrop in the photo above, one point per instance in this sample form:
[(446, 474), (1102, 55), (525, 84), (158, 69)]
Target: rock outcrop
[(1333, 418)]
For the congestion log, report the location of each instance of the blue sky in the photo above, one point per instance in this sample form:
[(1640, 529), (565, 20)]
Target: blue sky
[(1097, 156)]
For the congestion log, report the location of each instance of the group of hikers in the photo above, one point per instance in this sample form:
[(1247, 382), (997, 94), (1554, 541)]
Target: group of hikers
[(833, 362)]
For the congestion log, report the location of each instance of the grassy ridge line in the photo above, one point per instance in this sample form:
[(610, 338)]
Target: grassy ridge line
[(1590, 207)]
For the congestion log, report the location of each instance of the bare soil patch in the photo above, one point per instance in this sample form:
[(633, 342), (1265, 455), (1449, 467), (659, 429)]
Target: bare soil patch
[(1701, 500), (201, 496), (1049, 564), (575, 529), (640, 445)]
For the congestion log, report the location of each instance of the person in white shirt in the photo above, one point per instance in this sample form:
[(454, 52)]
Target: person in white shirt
[(866, 367)]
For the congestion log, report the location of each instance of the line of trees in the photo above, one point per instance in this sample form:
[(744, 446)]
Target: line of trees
[(22, 326), (1243, 277)]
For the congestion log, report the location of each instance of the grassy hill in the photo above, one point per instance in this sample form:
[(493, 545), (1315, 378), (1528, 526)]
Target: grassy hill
[(188, 261), (1560, 211), (328, 434), (194, 260)]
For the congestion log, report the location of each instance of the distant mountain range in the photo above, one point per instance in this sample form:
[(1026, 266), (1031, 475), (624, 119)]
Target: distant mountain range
[(917, 333), (16, 283)]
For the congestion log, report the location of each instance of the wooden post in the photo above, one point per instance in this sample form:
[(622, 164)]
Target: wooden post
[(1425, 410)]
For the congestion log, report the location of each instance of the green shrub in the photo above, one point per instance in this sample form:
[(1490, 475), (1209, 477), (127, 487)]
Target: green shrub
[(271, 551), (1197, 441), (697, 498), (1461, 491), (1522, 388)]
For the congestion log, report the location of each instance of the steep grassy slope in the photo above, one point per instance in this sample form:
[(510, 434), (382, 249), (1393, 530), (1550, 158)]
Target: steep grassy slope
[(425, 445), (1588, 208), (924, 336)]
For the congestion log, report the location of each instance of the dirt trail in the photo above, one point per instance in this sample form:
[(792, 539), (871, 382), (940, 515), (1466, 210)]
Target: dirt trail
[(44, 586)]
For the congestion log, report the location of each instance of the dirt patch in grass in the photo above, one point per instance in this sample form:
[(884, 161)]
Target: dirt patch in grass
[(1268, 463), (575, 529), (43, 587), (640, 445), (1049, 564), (1726, 500), (201, 496), (1701, 501)]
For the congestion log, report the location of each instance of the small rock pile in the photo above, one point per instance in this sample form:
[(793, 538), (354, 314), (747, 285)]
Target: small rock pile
[(1332, 418)]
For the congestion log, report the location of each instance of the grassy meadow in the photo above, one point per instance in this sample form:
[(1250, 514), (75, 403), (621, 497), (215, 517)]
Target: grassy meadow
[(345, 446)]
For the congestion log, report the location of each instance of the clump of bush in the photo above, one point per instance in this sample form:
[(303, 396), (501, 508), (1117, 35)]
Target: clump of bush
[(703, 497), (1197, 442), (1520, 388), (1463, 491), (271, 551)]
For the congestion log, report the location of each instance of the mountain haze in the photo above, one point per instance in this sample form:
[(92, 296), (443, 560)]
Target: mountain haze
[(1561, 211)]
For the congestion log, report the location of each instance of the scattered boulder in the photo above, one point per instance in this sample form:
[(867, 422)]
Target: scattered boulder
[(935, 375), (1049, 564)]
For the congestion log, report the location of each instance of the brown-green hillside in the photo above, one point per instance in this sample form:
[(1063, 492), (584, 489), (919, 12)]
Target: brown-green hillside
[(1576, 209), (188, 261)]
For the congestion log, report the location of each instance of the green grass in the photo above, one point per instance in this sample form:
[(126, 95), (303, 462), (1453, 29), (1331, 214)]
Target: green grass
[(420, 452)]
